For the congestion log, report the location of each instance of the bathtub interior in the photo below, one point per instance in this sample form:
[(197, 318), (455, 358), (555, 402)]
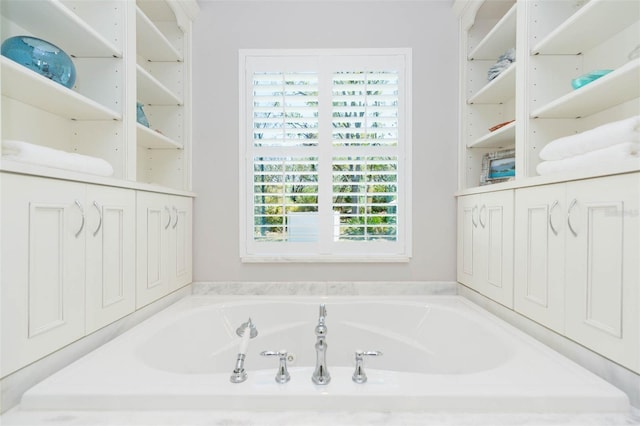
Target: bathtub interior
[(413, 337), (440, 353)]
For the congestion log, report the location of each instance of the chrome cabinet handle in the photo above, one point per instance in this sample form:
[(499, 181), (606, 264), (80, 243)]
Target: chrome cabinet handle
[(282, 376), (571, 206), (176, 222), (553, 206), (473, 216), (483, 208), (82, 223), (169, 221), (99, 209)]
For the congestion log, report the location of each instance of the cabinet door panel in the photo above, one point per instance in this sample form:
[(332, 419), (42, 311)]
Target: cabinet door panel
[(111, 276), (42, 267), (539, 255), (466, 224), (494, 246), (495, 234), (602, 271), (153, 219), (180, 241), (604, 240), (537, 288)]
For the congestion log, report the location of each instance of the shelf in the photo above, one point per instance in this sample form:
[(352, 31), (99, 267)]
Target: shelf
[(8, 166), (501, 138), (31, 88), (150, 91), (595, 22), (501, 38), (498, 90), (615, 88), (53, 21), (157, 10), (151, 139), (151, 43)]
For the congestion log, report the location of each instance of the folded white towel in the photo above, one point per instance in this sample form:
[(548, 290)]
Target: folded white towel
[(627, 130), (620, 155), (25, 152)]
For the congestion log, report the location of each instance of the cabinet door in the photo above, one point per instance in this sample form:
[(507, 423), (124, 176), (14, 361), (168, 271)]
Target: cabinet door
[(153, 224), (110, 258), (602, 266), (539, 254), (493, 249), (180, 240), (467, 227), (43, 242)]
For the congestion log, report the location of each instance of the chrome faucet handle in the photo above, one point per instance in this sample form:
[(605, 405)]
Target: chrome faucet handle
[(282, 376), (359, 375)]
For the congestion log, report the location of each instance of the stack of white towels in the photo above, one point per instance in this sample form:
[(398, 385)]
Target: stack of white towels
[(29, 153), (614, 145)]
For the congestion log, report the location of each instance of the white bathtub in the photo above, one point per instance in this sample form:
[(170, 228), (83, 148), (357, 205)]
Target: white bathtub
[(440, 353)]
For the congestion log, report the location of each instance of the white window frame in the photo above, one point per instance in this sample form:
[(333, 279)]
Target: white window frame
[(349, 251)]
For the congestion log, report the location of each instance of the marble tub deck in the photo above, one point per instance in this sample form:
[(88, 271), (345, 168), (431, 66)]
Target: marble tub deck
[(307, 418)]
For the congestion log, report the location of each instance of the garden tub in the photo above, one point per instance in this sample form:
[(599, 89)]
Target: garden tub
[(439, 353)]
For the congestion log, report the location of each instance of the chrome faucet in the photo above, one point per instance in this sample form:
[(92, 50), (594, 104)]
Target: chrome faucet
[(321, 375)]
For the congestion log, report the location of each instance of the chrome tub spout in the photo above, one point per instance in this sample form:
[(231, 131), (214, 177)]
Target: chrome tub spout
[(321, 375)]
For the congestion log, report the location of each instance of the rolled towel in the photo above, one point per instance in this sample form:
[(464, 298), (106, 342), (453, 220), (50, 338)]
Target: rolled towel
[(620, 155), (25, 152), (627, 130)]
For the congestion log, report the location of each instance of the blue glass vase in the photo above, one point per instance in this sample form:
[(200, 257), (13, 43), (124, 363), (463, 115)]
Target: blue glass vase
[(141, 117), (42, 57)]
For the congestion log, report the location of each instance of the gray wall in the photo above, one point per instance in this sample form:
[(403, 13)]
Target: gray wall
[(223, 27)]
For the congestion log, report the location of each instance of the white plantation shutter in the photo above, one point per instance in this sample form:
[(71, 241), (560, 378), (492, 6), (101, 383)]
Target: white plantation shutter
[(325, 145), (365, 192), (365, 108), (285, 109)]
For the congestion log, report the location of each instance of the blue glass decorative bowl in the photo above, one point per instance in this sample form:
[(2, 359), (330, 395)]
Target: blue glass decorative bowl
[(585, 79), (42, 57), (141, 117)]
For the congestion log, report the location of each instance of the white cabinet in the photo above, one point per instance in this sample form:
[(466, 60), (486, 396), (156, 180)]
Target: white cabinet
[(602, 268), (180, 242), (163, 245), (68, 237), (110, 255), (60, 250), (576, 262), (485, 244), (539, 263)]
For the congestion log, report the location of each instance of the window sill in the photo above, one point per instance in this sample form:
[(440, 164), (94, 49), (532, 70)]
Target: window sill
[(325, 259)]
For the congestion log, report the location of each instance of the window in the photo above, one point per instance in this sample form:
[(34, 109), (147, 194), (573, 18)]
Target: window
[(325, 155)]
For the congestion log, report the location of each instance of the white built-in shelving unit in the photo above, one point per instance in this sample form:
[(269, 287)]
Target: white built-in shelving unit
[(486, 104), (162, 71), (571, 233), (124, 53), (80, 250), (555, 42)]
